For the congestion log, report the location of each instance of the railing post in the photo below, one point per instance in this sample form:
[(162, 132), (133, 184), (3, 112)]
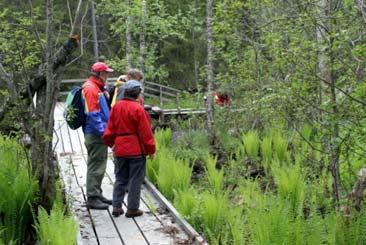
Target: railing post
[(178, 102), (161, 97)]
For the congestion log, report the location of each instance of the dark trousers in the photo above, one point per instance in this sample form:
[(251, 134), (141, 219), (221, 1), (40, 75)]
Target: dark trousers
[(97, 163), (130, 173)]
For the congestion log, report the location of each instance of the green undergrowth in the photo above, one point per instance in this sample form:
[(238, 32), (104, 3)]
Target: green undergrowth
[(19, 198), (286, 204)]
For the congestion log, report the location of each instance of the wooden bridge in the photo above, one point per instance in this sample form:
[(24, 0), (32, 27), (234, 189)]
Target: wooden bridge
[(160, 224), (165, 94)]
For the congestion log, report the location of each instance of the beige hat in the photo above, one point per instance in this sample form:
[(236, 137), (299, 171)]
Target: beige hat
[(122, 78)]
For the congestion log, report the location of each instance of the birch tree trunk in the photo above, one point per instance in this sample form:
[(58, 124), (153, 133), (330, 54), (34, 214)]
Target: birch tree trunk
[(195, 63), (42, 155), (210, 75), (142, 44), (327, 75), (128, 36), (95, 34)]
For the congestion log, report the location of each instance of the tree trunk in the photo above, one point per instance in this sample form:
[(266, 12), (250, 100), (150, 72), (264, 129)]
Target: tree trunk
[(327, 74), (210, 76), (128, 36), (42, 155), (142, 44), (95, 34), (195, 62)]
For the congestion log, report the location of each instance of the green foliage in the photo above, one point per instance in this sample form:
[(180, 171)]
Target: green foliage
[(18, 190), (192, 145), (56, 228)]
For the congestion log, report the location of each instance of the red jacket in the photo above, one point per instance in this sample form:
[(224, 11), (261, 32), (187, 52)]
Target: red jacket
[(129, 130)]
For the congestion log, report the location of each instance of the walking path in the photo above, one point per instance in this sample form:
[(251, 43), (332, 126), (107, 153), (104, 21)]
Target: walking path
[(160, 223)]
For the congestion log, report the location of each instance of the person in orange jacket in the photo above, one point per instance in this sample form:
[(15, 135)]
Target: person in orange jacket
[(129, 133), (97, 113), (222, 99)]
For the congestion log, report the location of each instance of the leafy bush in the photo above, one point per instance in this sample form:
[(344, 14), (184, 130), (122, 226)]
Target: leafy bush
[(18, 190)]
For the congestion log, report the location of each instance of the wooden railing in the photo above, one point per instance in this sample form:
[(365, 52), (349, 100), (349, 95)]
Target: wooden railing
[(151, 89)]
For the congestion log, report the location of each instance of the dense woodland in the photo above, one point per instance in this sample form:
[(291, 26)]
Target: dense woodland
[(286, 159)]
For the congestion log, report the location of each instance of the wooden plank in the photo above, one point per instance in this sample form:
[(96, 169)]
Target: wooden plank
[(75, 200), (153, 229), (194, 237), (104, 226)]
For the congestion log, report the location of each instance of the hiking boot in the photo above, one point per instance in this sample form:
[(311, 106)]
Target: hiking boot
[(117, 211), (95, 203), (133, 213), (105, 200)]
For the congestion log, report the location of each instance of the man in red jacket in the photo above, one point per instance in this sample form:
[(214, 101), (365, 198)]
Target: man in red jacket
[(129, 133), (97, 113)]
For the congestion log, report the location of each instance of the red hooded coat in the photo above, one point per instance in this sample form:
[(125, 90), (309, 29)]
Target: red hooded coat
[(129, 130)]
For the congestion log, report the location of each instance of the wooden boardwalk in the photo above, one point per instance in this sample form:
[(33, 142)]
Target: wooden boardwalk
[(160, 223)]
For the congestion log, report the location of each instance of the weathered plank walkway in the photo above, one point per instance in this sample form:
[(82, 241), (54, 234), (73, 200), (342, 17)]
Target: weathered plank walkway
[(160, 223)]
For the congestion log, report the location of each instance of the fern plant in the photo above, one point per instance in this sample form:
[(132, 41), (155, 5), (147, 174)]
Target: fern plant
[(280, 145), (187, 203), (251, 144), (214, 215), (18, 190), (173, 174), (215, 177), (290, 184), (56, 228), (163, 137)]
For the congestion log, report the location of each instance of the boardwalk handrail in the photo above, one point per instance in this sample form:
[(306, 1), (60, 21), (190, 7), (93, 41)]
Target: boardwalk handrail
[(151, 89)]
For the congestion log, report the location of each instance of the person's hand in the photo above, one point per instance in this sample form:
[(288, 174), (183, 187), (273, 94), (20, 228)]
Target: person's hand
[(152, 157)]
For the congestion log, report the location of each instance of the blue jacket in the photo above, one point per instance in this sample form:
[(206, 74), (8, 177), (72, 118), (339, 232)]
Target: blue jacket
[(96, 107)]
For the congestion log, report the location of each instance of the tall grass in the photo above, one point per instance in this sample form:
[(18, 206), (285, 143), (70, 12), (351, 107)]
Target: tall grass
[(215, 177), (18, 190), (251, 143), (56, 228)]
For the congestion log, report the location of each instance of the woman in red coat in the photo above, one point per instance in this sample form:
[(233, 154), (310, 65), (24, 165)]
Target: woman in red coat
[(129, 133)]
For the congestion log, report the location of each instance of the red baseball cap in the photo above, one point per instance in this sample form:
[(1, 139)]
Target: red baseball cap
[(100, 66)]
